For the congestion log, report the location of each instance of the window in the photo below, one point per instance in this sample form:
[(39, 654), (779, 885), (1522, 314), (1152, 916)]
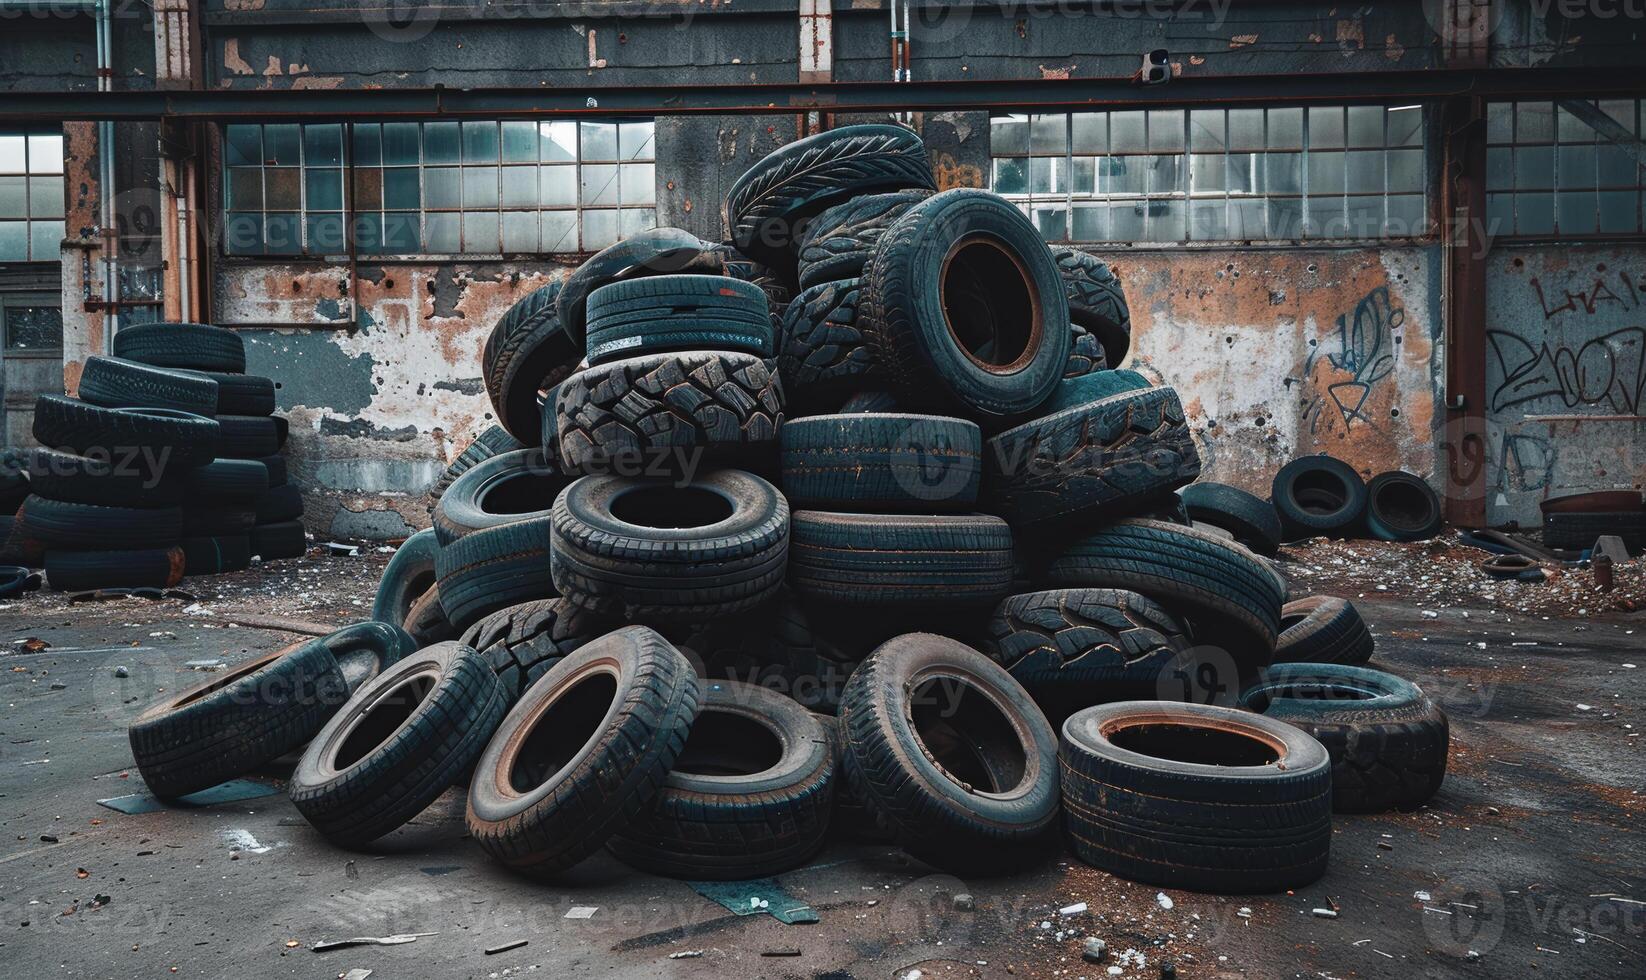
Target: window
[(1563, 167), (1184, 175), (31, 323), (31, 195), (436, 187)]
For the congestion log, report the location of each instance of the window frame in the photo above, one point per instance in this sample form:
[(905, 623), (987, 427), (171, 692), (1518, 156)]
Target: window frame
[(13, 300), (29, 176), (1182, 146), (1510, 148), (351, 214)]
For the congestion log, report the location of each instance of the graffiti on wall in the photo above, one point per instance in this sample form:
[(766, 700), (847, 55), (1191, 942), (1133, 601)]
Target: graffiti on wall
[(1605, 372), (1344, 368)]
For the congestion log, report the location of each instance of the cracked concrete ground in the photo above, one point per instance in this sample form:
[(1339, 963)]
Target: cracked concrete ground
[(1530, 856)]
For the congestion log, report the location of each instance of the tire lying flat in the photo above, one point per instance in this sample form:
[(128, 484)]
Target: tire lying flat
[(195, 346), (900, 560), (881, 462), (114, 382)]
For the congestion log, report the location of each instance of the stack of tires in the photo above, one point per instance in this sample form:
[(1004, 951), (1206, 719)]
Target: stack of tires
[(986, 533)]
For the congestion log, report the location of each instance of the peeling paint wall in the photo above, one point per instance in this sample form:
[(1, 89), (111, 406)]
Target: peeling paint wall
[(1283, 352), (1565, 374)]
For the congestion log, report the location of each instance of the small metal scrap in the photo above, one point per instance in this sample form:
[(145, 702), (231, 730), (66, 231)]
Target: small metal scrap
[(786, 951), (494, 950)]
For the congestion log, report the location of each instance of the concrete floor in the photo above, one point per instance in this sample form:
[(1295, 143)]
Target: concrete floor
[(1533, 855)]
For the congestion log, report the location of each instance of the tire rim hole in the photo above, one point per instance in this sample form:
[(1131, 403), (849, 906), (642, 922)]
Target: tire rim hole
[(725, 744), (387, 716), (968, 735), (1195, 744), (990, 305), (1311, 689), (671, 507), (1320, 492), (522, 493), (1402, 505), (562, 731)]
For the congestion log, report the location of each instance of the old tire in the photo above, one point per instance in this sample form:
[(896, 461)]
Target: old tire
[(951, 753), (963, 308), (1085, 354), (1227, 594), (276, 504), (402, 740), (660, 314), (215, 556), (936, 560), (249, 436), (821, 353), (218, 521), (232, 723), (164, 437), (1323, 630), (55, 524), (876, 463), (722, 408), (1251, 814), (1096, 386), (646, 552), (504, 489), (769, 207), (407, 577), (113, 382), (80, 571), (523, 642), (1578, 531), (583, 753), (490, 442), (838, 243), (749, 796), (241, 394), (196, 346), (1076, 468), (527, 352), (1319, 495), (1402, 507), (1592, 502), (1097, 302), (286, 539), (1387, 741), (1251, 519), (426, 621), (102, 479), (500, 566), (658, 252), (227, 480), (1072, 648)]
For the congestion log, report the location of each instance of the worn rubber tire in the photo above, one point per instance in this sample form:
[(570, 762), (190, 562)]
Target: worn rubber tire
[(1075, 469), (597, 787), (660, 314), (241, 394), (1097, 302), (492, 441), (778, 294), (1593, 502), (114, 382), (276, 504), (196, 346), (821, 354), (55, 524), (286, 539), (407, 577), (1242, 827), (915, 331), (900, 560), (771, 204), (963, 787), (1072, 648), (168, 438), (778, 647), (678, 569), (276, 465), (506, 488), (214, 556), (1227, 594), (400, 742), (523, 642), (722, 407), (249, 436), (527, 352), (1580, 530), (500, 566), (717, 820), (1251, 519), (838, 243), (1323, 629), (100, 480), (1095, 386), (1402, 507), (1086, 354), (238, 481), (877, 463), (1387, 741), (218, 521), (1319, 495), (232, 723), (426, 621), (658, 252), (80, 571)]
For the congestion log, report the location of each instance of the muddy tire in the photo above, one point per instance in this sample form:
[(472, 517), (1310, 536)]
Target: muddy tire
[(1323, 630), (749, 796), (966, 777), (504, 489), (400, 742), (584, 753), (522, 643), (1252, 814), (877, 463), (426, 621), (113, 382), (527, 352), (196, 346), (647, 552), (881, 560), (839, 242), (1251, 519), (821, 353), (1097, 303), (1387, 741), (407, 577)]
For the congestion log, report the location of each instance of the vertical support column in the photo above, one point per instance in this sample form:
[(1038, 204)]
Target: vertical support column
[(182, 149), (1465, 239), (83, 269), (816, 54)]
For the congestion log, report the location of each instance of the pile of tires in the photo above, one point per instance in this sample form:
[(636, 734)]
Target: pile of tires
[(881, 434), (166, 465)]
